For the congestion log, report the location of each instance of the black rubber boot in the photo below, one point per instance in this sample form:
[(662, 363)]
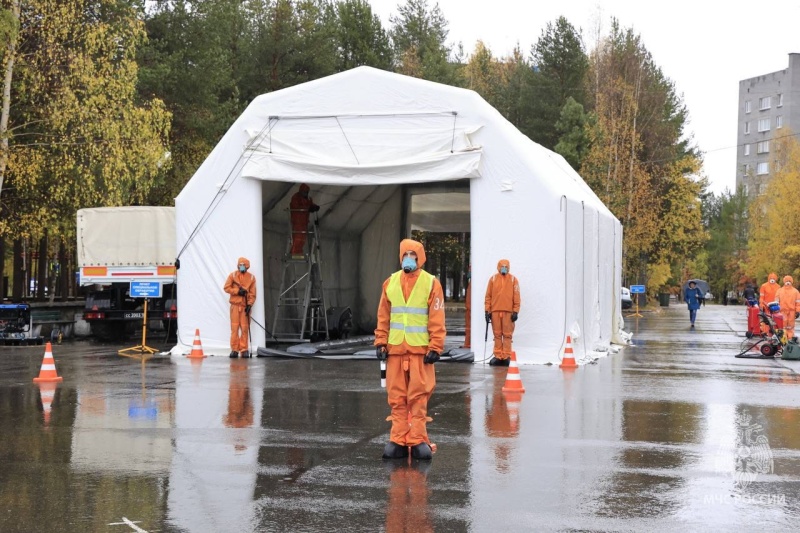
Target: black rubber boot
[(234, 355), (498, 362), (504, 362), (246, 354), (422, 451), (394, 451)]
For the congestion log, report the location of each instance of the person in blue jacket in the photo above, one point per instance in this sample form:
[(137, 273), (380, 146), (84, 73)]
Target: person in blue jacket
[(692, 297)]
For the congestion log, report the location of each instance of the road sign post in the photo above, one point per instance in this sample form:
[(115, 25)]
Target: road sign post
[(637, 290), (146, 290)]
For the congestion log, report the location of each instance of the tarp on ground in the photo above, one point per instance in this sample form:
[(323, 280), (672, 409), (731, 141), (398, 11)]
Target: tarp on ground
[(372, 144)]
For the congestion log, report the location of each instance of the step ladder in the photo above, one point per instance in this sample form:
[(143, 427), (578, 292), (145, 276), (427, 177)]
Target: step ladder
[(300, 313)]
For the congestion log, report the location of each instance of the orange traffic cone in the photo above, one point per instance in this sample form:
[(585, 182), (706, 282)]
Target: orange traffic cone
[(197, 346), (513, 382), (47, 392), (568, 361), (48, 373)]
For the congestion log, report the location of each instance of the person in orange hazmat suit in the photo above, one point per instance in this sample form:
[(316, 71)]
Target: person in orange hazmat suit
[(789, 299), (300, 206), (501, 306), (241, 285), (410, 337), (766, 293)]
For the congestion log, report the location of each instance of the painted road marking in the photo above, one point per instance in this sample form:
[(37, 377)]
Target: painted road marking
[(126, 522)]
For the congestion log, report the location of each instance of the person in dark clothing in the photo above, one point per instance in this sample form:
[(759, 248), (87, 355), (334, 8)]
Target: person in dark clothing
[(749, 294), (692, 297)]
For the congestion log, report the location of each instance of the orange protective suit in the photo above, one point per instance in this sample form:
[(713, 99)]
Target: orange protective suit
[(407, 506), (409, 381), (240, 322), (300, 206), (468, 317), (502, 299), (789, 299), (766, 293)]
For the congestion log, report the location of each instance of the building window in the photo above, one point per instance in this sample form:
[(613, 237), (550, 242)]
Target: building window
[(780, 100), (762, 188), (746, 190), (746, 128), (746, 169), (764, 103), (763, 124), (762, 168), (762, 147), (746, 149), (779, 122), (747, 106)]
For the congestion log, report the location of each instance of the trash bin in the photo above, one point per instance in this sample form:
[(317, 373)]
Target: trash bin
[(663, 299)]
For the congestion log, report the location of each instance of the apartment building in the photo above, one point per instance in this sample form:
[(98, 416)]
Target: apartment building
[(769, 107)]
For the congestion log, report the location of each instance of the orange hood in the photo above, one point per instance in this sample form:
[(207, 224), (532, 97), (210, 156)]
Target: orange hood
[(410, 245), (244, 260), (789, 279), (504, 262), (772, 275)]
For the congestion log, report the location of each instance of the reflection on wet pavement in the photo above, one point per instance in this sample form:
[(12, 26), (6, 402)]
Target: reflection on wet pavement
[(673, 432)]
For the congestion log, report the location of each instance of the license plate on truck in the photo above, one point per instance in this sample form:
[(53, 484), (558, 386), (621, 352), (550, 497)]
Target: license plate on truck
[(134, 315)]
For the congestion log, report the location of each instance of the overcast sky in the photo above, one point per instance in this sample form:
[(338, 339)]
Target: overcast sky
[(704, 46)]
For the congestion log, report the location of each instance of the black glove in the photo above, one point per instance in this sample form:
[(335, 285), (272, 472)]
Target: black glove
[(431, 358), (514, 317), (247, 309), (242, 292), (488, 317), (313, 209), (381, 353)]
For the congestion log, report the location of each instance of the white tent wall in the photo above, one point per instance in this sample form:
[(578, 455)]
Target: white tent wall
[(526, 205), (380, 247)]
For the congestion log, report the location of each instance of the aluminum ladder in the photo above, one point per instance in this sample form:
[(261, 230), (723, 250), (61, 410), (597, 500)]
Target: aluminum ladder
[(300, 312)]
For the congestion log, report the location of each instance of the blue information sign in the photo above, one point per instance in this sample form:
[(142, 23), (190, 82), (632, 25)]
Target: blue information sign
[(637, 289), (145, 289)]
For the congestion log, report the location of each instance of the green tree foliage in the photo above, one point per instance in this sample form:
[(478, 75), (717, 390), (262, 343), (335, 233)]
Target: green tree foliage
[(725, 218), (360, 37), (560, 68), (484, 74), (572, 127), (80, 136), (419, 33)]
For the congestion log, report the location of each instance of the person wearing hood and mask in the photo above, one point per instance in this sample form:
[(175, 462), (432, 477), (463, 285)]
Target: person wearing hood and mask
[(789, 299), (241, 285), (300, 206), (766, 294), (501, 307), (410, 337)]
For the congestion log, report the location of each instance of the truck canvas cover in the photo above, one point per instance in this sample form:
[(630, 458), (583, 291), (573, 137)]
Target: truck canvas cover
[(119, 244)]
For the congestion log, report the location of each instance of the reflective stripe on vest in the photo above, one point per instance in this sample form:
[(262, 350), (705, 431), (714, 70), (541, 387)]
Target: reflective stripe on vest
[(409, 319)]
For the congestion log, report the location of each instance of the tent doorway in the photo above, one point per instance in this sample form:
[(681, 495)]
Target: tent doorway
[(358, 230)]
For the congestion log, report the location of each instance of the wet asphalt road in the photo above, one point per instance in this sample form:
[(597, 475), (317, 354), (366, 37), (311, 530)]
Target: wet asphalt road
[(673, 432)]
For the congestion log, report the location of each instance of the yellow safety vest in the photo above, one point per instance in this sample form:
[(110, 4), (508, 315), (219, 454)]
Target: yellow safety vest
[(409, 319)]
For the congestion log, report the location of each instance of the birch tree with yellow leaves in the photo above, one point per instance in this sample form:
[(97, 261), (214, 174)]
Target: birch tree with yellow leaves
[(639, 163), (774, 244), (77, 134)]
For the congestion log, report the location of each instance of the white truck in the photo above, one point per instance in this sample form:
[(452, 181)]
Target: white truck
[(120, 245)]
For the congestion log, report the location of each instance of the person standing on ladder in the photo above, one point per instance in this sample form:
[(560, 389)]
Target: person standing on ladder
[(300, 206), (241, 285), (410, 337)]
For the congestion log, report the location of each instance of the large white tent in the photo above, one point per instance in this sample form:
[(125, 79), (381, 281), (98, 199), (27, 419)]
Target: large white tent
[(371, 144)]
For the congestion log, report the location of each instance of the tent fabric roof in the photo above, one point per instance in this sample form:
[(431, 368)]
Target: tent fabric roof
[(360, 137)]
